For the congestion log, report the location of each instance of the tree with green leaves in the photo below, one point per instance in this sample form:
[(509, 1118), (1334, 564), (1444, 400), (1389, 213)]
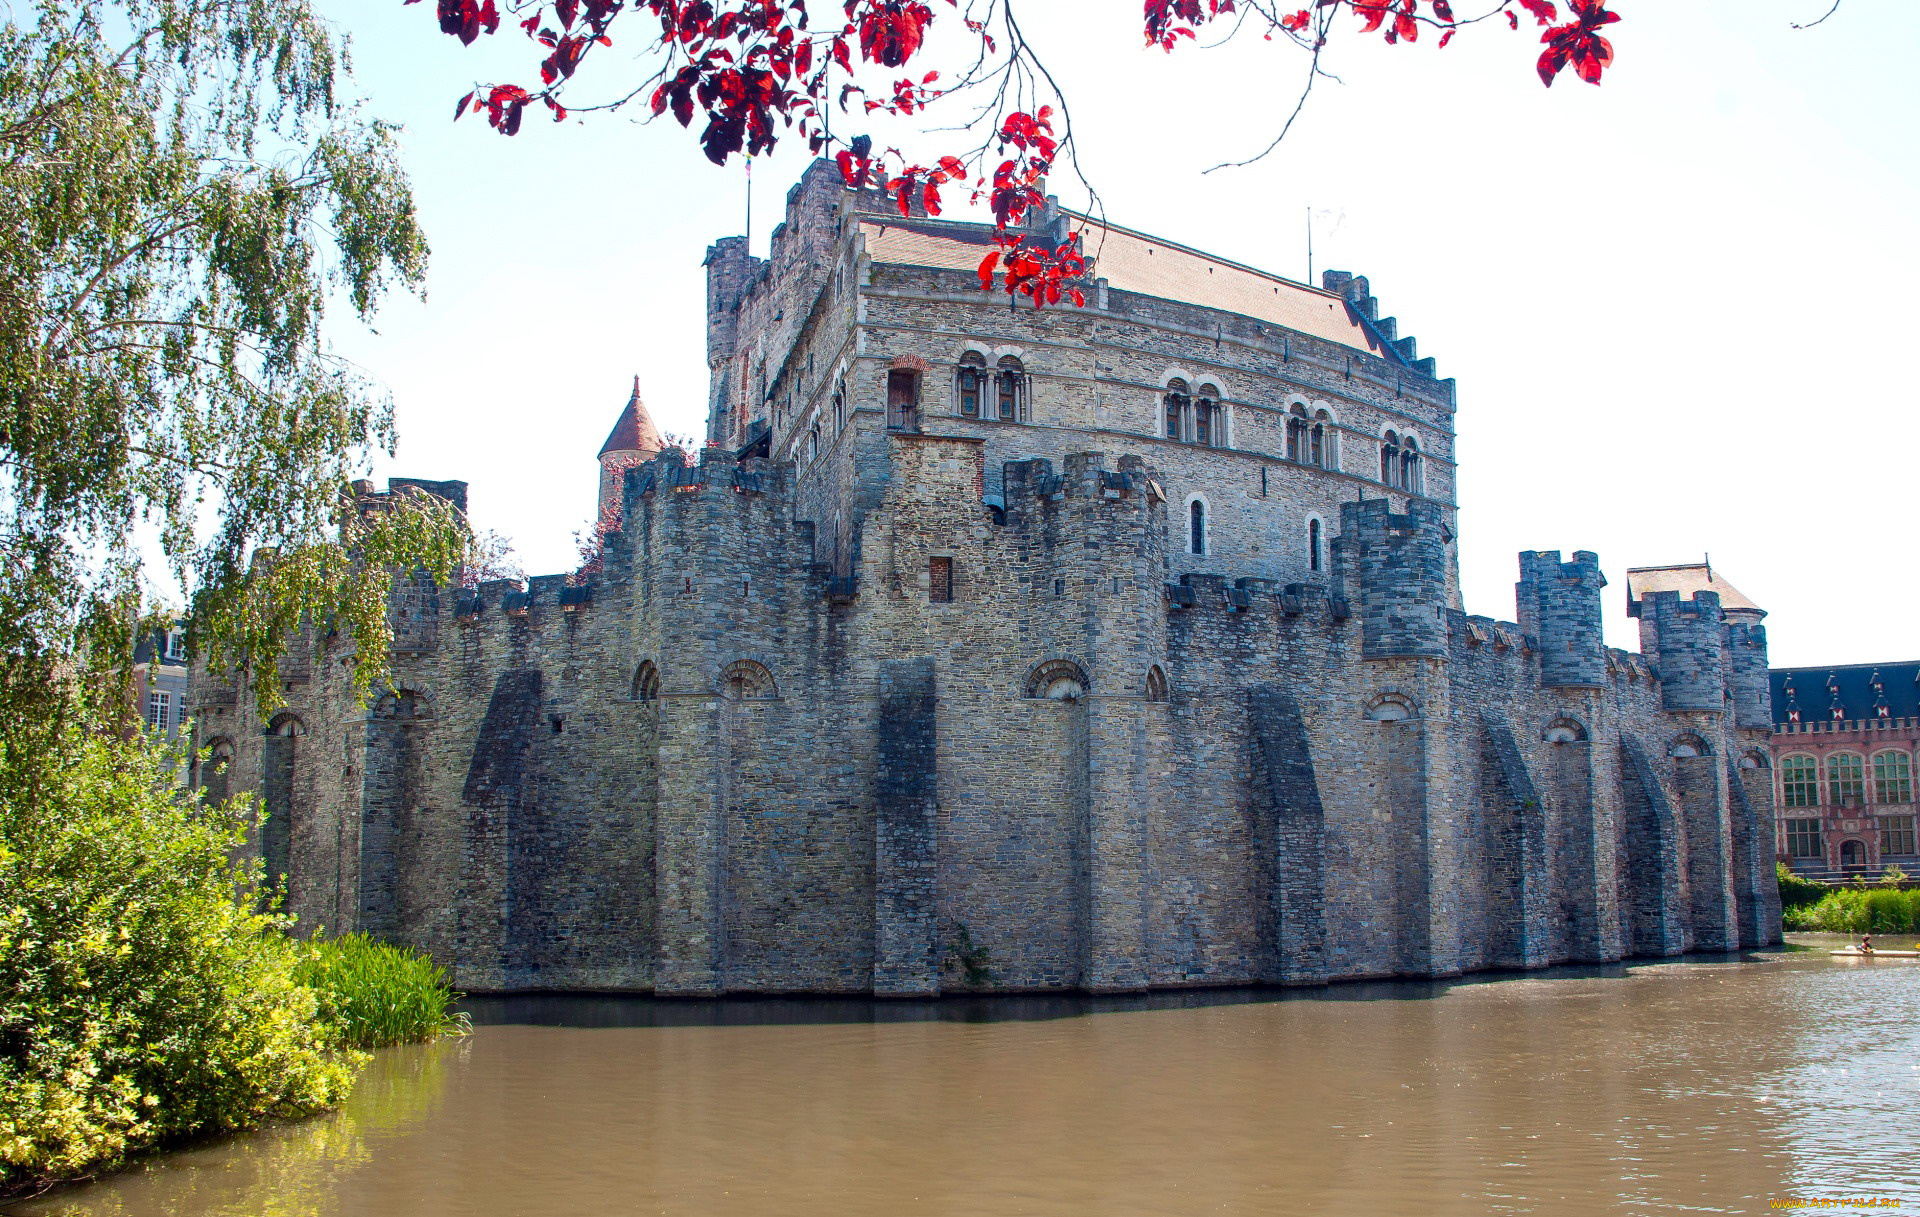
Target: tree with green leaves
[(186, 193)]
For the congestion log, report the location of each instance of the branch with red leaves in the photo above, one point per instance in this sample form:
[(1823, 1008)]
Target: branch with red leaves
[(754, 70)]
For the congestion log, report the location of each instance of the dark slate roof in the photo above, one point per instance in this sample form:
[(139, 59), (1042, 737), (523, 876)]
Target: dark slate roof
[(1815, 689), (634, 432)]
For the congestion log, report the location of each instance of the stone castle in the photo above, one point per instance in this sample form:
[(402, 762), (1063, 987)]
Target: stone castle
[(992, 648)]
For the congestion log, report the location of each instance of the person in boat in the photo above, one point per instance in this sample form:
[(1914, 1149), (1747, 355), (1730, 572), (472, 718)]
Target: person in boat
[(1866, 944)]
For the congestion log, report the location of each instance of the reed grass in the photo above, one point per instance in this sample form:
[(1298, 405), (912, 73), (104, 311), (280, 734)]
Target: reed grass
[(374, 994)]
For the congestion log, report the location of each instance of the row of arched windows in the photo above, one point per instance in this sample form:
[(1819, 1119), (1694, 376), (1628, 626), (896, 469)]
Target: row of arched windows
[(1000, 394), (1193, 418), (1312, 441), (1847, 779), (1400, 463)]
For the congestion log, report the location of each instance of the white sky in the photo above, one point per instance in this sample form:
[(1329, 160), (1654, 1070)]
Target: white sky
[(1676, 305)]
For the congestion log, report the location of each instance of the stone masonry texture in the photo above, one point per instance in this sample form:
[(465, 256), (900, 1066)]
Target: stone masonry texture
[(887, 697)]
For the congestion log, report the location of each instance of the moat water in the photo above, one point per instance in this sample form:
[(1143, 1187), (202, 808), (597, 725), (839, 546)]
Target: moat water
[(1708, 1085)]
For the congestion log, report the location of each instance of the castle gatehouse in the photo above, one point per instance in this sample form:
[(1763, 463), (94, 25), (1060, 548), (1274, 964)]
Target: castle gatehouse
[(990, 648)]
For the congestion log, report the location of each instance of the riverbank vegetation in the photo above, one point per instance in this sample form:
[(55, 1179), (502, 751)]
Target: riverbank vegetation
[(373, 994), (1857, 908), (143, 999)]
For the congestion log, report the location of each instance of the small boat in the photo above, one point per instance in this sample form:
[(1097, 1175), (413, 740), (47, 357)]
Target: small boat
[(1876, 953)]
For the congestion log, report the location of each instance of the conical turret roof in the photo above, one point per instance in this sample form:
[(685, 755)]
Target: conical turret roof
[(635, 431)]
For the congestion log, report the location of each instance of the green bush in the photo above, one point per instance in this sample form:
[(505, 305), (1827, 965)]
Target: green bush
[(141, 998), (1796, 892), (1855, 910), (372, 994)]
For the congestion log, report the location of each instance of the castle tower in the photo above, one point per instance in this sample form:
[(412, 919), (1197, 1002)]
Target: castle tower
[(633, 441), (1559, 604), (1396, 567)]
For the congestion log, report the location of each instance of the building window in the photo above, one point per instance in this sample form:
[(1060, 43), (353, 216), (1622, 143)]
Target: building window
[(1803, 839), (1800, 781), (646, 682), (1011, 385), (1176, 409), (1389, 458), (176, 646), (159, 710), (813, 442), (1156, 684), (1197, 528), (1896, 835), (1892, 778), (1298, 445), (1207, 415), (1326, 443), (971, 383), (1313, 545), (903, 400), (1846, 779), (940, 580), (1411, 477), (839, 407)]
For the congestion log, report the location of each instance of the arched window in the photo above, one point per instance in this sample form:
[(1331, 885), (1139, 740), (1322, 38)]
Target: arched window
[(646, 681), (1846, 779), (1057, 680), (1206, 417), (1176, 403), (1799, 781), (970, 383), (1326, 443), (1313, 545), (1011, 391), (1564, 730), (1892, 778), (1298, 445), (1410, 479), (813, 442), (1389, 458), (286, 725), (1688, 744), (1390, 708), (745, 680), (1156, 684), (839, 406), (1197, 528)]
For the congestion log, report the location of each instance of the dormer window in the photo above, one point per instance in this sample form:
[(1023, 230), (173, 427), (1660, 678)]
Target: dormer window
[(176, 649)]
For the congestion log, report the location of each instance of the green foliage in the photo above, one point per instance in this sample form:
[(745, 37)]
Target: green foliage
[(967, 957), (1796, 892), (1855, 910), (373, 994), (141, 1000), (184, 193)]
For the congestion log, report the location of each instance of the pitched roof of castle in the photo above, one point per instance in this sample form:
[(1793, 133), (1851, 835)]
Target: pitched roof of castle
[(1686, 579), (1134, 262), (635, 431)]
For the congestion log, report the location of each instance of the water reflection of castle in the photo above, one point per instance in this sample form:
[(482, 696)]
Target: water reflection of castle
[(1112, 649)]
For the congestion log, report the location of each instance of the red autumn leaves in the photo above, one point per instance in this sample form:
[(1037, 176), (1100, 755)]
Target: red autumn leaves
[(755, 68)]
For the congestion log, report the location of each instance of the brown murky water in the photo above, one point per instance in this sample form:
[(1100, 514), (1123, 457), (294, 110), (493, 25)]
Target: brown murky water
[(1703, 1086)]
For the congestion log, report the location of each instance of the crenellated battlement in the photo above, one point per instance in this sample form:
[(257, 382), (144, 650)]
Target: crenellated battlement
[(1393, 567), (1559, 603), (1686, 639)]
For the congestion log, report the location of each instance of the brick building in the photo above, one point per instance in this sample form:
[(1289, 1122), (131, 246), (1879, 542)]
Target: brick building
[(1843, 747), (1122, 643)]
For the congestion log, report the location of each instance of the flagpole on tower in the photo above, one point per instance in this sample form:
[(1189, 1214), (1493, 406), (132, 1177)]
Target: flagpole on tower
[(1309, 245)]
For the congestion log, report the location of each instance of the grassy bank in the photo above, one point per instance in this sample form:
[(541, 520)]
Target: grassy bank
[(143, 998)]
